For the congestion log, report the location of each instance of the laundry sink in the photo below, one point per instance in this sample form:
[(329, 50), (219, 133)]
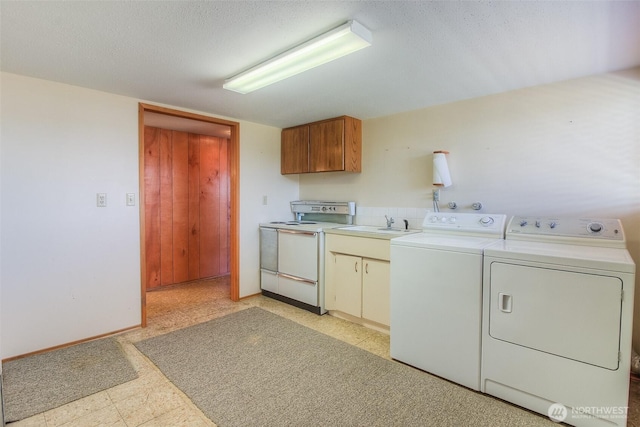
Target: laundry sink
[(377, 229)]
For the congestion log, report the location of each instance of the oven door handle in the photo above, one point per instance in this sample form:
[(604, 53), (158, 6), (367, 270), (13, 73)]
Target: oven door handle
[(306, 233), (297, 279)]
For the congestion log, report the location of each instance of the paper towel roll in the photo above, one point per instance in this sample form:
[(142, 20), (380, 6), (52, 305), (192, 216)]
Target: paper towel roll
[(441, 175)]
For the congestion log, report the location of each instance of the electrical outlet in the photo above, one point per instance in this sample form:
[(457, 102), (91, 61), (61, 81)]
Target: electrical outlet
[(264, 200), (101, 199), (131, 199)]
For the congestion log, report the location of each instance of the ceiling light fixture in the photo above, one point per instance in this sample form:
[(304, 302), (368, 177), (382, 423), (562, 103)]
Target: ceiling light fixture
[(334, 44)]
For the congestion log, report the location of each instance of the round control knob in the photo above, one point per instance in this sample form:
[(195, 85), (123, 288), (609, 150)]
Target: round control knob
[(523, 223), (443, 219), (552, 224), (595, 227), (452, 220), (486, 221), (324, 208)]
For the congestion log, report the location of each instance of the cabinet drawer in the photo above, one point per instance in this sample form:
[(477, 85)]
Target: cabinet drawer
[(358, 246)]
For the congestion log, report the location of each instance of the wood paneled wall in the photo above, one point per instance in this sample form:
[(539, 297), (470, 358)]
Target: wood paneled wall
[(187, 207)]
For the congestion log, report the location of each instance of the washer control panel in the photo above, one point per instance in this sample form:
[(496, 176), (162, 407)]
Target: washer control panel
[(465, 222), (589, 231)]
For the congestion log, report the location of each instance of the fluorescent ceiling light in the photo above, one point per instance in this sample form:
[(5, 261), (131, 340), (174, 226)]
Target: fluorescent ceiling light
[(338, 42)]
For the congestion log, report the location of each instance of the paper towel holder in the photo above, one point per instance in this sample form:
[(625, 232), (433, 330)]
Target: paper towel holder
[(441, 175)]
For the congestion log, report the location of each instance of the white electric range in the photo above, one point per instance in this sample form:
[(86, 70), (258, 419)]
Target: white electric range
[(292, 252)]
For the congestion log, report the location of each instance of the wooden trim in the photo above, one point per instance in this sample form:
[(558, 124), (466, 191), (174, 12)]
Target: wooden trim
[(234, 214), (187, 115), (322, 121), (57, 347), (250, 296), (234, 244), (141, 199)]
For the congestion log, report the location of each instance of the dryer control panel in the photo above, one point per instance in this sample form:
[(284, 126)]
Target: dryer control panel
[(581, 231)]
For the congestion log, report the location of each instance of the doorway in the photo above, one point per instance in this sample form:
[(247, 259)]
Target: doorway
[(195, 121)]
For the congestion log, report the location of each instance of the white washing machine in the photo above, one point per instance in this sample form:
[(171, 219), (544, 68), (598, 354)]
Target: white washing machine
[(557, 319), (436, 294)]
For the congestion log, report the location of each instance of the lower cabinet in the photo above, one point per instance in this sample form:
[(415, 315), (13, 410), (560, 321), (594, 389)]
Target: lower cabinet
[(347, 276), (375, 290), (357, 285)]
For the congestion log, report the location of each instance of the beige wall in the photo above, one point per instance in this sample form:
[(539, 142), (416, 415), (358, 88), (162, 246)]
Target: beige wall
[(565, 149), (70, 270), (571, 148)]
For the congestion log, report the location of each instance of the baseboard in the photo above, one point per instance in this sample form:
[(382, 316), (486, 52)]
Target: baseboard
[(1, 401), (69, 344)]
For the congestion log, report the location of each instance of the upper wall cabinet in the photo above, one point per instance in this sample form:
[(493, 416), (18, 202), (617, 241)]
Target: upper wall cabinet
[(325, 146)]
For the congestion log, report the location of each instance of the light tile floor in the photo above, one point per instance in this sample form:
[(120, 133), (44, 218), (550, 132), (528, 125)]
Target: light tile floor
[(152, 401)]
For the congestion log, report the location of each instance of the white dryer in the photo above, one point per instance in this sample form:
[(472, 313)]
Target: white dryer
[(557, 319), (436, 294)]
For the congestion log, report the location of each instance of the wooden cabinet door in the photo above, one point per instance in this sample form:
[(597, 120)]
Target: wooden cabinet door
[(348, 284), (294, 154), (326, 146), (375, 290)]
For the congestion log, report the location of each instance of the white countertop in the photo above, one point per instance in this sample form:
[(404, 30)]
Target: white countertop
[(371, 231)]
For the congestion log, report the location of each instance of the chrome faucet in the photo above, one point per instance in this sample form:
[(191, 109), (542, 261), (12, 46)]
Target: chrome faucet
[(389, 221)]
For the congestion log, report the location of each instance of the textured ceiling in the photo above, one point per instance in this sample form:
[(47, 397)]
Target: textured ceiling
[(423, 53)]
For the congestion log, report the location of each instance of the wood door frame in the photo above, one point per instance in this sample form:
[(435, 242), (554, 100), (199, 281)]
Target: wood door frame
[(234, 173)]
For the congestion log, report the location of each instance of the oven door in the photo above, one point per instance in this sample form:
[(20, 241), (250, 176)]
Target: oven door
[(298, 254)]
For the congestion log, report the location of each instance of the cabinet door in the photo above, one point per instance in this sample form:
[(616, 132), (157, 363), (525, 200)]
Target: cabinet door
[(375, 290), (294, 154), (326, 146), (348, 284)]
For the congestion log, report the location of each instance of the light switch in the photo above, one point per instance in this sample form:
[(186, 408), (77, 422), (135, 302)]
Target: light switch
[(131, 199), (101, 200)]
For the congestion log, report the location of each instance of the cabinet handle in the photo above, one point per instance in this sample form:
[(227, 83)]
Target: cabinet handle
[(356, 266), (366, 268)]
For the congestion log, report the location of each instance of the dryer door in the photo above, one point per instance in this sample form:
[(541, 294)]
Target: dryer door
[(566, 313)]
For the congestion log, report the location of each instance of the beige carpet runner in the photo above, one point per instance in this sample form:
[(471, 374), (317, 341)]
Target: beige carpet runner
[(254, 368), (45, 381)]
